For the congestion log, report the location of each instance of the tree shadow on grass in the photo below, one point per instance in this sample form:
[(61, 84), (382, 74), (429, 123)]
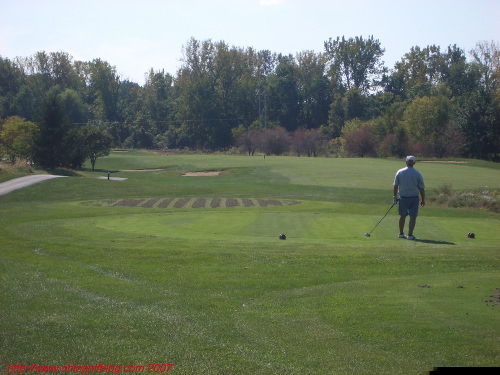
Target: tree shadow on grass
[(434, 242), (96, 170), (64, 172)]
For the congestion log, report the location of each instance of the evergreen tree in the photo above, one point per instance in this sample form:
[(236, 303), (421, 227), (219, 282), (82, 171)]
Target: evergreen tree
[(51, 150)]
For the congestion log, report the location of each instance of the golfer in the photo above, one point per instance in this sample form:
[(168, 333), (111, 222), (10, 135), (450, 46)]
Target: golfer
[(409, 182)]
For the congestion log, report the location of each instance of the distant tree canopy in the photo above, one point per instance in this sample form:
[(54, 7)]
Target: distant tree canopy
[(356, 62), (342, 100)]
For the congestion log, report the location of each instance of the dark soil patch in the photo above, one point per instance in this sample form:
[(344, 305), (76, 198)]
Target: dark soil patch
[(269, 202), (165, 202), (494, 299), (215, 202), (248, 202), (181, 202), (150, 203), (199, 203), (128, 202), (231, 202), (189, 202)]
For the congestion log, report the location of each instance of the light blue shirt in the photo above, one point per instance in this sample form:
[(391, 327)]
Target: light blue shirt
[(409, 181)]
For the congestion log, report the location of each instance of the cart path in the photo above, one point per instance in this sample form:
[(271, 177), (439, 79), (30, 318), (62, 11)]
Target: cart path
[(21, 182)]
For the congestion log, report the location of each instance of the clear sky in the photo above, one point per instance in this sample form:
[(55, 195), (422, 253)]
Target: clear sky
[(135, 36)]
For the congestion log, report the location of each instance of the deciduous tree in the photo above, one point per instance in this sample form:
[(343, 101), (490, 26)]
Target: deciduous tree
[(96, 143), (51, 147), (361, 140), (356, 62), (17, 138), (310, 142), (275, 141), (425, 121)]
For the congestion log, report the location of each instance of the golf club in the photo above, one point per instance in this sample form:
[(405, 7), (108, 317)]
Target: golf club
[(370, 233)]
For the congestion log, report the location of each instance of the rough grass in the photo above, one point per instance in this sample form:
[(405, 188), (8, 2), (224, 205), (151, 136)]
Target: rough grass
[(9, 171), (480, 198)]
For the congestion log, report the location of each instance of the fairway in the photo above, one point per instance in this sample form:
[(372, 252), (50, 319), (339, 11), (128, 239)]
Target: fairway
[(301, 227), (157, 268)]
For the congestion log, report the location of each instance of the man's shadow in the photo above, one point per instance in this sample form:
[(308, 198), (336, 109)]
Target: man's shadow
[(434, 242)]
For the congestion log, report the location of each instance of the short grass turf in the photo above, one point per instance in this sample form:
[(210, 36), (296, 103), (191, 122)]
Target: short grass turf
[(211, 289)]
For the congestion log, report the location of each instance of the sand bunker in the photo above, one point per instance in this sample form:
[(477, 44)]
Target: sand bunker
[(112, 178), (143, 170), (195, 174), (444, 161), (188, 174)]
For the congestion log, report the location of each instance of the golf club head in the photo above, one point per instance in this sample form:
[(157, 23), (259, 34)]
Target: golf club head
[(367, 234)]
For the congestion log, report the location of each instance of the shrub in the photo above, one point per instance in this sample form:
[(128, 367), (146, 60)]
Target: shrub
[(481, 198), (361, 142)]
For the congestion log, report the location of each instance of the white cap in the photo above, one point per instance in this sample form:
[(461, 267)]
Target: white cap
[(411, 158)]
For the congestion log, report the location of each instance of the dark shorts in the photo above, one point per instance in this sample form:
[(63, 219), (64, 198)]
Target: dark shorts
[(408, 206)]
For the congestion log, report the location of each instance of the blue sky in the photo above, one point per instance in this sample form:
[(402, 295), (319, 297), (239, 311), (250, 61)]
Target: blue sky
[(135, 36)]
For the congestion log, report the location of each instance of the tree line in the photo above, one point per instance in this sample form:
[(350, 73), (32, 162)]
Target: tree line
[(342, 101)]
